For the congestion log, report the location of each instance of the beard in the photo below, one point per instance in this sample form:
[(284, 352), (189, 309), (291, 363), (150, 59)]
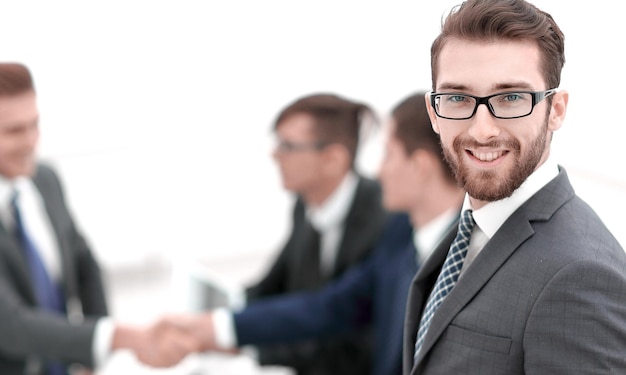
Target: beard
[(494, 185)]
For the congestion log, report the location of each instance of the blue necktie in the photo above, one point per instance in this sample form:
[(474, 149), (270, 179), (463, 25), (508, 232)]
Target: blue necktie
[(449, 275), (48, 294)]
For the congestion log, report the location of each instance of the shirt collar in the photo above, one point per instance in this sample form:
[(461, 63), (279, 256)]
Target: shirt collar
[(334, 209), (427, 238), (7, 188), (491, 216)]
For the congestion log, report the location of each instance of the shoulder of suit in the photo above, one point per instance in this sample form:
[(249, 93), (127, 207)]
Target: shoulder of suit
[(369, 187), (368, 181), (398, 223), (397, 232), (46, 178), (44, 170)]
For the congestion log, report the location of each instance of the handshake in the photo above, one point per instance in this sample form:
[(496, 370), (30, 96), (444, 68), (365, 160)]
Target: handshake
[(170, 339)]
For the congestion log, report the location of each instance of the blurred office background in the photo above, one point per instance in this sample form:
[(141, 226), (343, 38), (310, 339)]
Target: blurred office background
[(158, 115)]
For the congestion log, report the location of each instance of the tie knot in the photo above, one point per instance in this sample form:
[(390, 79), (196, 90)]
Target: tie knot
[(466, 225), (14, 195), (15, 202)]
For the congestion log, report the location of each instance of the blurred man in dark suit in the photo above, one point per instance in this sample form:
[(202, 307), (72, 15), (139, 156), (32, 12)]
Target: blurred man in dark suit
[(337, 219)]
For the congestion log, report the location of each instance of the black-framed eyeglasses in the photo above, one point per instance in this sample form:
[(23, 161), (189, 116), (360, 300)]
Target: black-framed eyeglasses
[(289, 147), (504, 105)]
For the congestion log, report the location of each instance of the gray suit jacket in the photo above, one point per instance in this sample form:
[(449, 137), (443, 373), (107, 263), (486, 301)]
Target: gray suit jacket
[(546, 295), (27, 334)]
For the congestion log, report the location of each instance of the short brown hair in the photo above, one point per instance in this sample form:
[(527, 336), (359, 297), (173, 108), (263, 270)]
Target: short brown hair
[(337, 119), (15, 79), (492, 20), (414, 130)]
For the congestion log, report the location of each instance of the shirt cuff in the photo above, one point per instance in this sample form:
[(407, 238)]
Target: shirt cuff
[(224, 328), (102, 341)]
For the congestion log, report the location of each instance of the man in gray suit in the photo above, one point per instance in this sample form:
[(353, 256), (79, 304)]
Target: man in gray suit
[(535, 283), (52, 301)]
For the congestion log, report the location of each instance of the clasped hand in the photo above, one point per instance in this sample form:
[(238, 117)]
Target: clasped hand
[(170, 339)]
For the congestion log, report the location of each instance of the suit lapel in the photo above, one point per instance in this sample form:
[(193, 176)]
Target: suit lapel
[(515, 230), (46, 187), (16, 264), (418, 293), (359, 225), (488, 261)]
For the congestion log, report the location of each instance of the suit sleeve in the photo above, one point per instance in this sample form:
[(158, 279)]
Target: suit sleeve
[(25, 331), (342, 306)]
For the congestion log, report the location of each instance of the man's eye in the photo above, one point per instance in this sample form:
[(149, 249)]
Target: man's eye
[(512, 97), (457, 98)]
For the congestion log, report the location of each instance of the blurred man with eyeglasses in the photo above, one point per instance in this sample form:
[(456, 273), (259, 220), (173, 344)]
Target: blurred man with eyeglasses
[(337, 219), (534, 282)]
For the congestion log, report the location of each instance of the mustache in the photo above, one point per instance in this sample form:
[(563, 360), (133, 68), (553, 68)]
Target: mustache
[(465, 143)]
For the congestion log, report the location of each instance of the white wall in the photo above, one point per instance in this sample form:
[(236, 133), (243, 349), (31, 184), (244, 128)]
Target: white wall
[(157, 113)]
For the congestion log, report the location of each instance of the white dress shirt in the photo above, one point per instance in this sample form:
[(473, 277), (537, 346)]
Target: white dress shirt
[(328, 219), (491, 216), (34, 217), (427, 238)]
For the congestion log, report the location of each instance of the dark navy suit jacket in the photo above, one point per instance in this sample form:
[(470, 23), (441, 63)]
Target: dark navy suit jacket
[(373, 292)]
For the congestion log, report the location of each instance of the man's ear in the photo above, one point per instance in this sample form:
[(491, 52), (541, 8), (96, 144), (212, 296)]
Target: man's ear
[(423, 162), (558, 110), (337, 158), (431, 113)]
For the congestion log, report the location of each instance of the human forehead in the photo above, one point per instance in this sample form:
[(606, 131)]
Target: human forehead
[(485, 67), (296, 127), (17, 109)]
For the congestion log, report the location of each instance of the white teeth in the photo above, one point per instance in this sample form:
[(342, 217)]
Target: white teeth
[(487, 156)]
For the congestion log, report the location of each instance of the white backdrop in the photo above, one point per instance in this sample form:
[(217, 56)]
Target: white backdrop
[(157, 113)]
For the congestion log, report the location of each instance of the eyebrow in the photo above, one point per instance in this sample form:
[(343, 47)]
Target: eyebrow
[(515, 85)]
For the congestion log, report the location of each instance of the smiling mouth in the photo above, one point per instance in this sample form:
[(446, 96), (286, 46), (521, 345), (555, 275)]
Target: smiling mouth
[(487, 156)]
